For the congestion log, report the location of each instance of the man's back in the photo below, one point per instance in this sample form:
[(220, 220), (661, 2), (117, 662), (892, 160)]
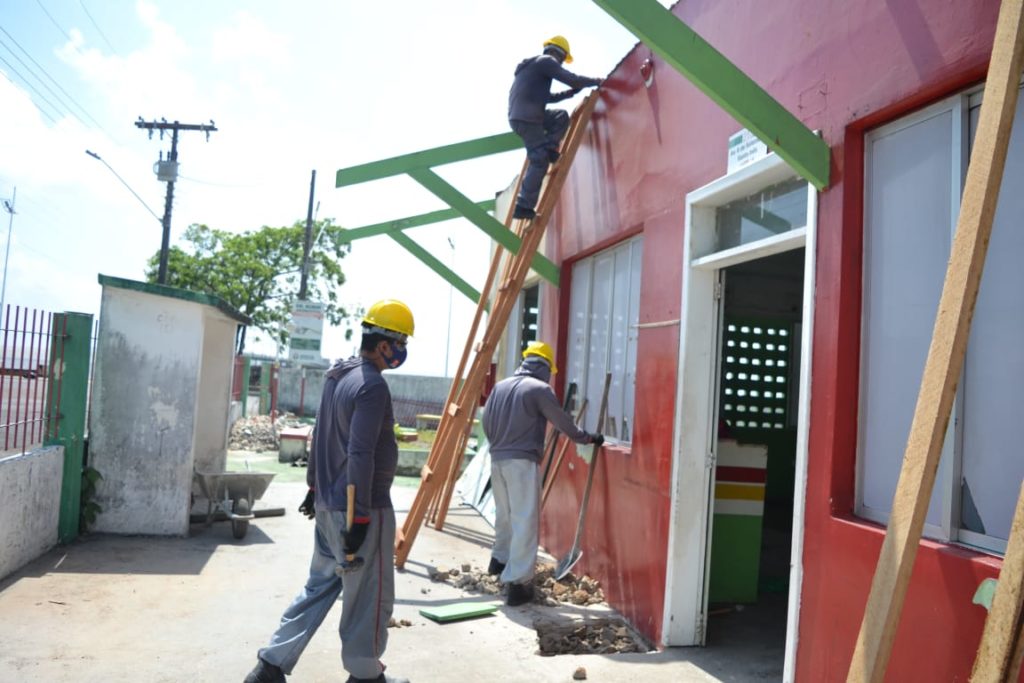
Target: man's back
[(531, 89)]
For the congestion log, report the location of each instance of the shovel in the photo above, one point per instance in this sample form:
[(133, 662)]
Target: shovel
[(566, 564)]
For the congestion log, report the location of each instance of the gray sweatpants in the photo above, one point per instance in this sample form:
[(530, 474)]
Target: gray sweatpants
[(367, 600), (516, 487)]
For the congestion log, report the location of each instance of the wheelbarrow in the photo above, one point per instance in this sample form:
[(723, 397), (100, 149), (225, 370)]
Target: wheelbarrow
[(233, 493)]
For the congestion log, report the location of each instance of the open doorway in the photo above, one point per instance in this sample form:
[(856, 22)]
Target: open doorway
[(755, 464)]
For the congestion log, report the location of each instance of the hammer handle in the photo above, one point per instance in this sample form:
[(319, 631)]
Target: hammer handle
[(350, 511)]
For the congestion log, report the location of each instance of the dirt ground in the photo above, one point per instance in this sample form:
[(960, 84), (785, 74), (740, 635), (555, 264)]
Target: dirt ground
[(144, 609)]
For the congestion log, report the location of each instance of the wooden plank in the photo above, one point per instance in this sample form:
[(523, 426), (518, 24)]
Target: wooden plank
[(562, 448), (946, 353), (998, 658)]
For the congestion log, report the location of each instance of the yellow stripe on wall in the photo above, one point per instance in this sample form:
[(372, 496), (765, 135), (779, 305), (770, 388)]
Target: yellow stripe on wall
[(739, 491)]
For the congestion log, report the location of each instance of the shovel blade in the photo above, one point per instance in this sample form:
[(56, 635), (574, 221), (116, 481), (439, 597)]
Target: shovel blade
[(566, 564)]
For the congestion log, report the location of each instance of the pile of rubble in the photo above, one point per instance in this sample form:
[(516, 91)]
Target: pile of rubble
[(571, 589), (259, 433), (591, 637)]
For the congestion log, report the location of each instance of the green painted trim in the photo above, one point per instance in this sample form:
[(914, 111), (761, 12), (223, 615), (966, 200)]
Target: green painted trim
[(723, 82), (483, 220), (353, 234), (246, 368), (427, 158), (70, 367), (176, 293), (435, 265)]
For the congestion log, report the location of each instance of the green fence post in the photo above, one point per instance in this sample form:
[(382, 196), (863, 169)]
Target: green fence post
[(246, 364), (69, 370)]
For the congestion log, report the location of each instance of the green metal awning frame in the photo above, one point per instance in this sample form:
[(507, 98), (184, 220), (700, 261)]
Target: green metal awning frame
[(722, 81), (680, 47), (420, 167)]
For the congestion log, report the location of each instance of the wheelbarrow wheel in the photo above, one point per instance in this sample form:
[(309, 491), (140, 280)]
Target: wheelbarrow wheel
[(239, 527)]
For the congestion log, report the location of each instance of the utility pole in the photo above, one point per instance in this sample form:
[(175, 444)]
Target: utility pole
[(9, 207), (308, 242), (167, 171)]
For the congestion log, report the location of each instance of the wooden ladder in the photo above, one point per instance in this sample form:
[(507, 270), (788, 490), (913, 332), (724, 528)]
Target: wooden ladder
[(438, 476)]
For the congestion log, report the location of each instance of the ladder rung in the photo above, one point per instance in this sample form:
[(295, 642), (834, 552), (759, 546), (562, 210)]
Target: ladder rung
[(453, 409), (426, 473)]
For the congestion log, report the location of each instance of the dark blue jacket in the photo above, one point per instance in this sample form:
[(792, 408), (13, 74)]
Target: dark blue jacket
[(531, 89)]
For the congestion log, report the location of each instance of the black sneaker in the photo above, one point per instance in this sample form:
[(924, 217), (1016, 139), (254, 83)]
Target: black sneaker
[(523, 212), (519, 594), (495, 568), (265, 673)]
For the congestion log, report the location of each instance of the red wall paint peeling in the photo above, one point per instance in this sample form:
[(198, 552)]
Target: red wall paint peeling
[(840, 66)]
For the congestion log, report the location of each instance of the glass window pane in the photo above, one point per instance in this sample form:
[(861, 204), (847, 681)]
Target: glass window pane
[(993, 456), (772, 211), (579, 327), (906, 246), (600, 335)]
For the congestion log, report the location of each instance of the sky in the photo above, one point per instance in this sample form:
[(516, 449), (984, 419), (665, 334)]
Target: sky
[(291, 87)]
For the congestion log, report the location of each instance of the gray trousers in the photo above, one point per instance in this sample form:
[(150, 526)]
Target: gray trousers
[(539, 138), (516, 488), (367, 600)]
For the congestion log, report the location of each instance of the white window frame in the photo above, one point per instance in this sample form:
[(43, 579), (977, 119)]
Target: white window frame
[(949, 476)]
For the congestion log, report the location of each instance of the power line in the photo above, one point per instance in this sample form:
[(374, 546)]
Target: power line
[(98, 29), (54, 81), (41, 82), (39, 94), (59, 27)]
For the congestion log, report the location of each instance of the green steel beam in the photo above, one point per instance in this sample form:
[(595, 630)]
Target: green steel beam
[(483, 220), (723, 82), (434, 264), (427, 158), (410, 222)]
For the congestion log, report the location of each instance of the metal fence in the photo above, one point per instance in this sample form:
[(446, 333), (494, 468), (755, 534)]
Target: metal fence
[(27, 394)]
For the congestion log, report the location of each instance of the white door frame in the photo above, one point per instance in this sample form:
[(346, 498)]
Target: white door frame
[(693, 432)]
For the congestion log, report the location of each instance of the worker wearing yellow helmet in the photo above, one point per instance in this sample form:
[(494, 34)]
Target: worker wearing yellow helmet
[(515, 418), (354, 456), (541, 129)]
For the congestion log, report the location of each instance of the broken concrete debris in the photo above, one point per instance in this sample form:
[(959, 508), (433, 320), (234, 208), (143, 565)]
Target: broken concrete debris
[(592, 636), (580, 674), (571, 589), (259, 432)]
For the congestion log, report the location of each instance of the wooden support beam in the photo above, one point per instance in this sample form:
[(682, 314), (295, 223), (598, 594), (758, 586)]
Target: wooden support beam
[(998, 658), (946, 353), (726, 84)]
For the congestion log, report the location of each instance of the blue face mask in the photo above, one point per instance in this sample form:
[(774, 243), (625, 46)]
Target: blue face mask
[(398, 354)]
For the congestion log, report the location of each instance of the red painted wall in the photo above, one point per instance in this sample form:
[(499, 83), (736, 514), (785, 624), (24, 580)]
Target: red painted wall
[(841, 66)]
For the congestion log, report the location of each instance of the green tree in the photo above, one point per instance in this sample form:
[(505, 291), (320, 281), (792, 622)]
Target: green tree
[(258, 272)]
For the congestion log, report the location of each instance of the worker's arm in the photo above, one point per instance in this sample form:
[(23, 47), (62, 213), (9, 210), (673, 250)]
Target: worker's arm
[(364, 430), (548, 406), (564, 95), (553, 69)]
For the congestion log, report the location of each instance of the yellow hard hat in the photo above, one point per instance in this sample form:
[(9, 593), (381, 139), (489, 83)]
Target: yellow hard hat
[(539, 348), (561, 43), (389, 315)]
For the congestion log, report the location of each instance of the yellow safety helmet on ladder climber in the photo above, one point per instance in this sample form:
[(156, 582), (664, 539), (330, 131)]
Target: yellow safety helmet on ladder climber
[(562, 44), (389, 315), (539, 348)]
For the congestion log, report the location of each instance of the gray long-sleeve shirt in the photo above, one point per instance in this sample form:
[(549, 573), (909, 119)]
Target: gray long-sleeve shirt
[(531, 89), (518, 410), (354, 439)]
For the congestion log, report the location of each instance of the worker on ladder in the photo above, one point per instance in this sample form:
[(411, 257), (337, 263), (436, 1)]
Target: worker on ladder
[(515, 417), (353, 446), (541, 129)]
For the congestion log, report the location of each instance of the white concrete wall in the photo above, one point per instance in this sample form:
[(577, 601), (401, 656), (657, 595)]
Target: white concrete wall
[(29, 505), (213, 406), (142, 423)]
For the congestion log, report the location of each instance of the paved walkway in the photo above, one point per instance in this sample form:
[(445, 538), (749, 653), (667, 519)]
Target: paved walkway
[(151, 610)]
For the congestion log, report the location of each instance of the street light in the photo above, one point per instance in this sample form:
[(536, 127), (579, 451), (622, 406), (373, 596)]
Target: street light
[(9, 208), (96, 156)]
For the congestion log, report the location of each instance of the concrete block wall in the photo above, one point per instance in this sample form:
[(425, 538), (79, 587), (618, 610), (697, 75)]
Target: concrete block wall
[(29, 506)]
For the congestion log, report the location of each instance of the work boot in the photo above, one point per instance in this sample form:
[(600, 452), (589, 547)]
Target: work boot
[(495, 568), (554, 155), (519, 594), (523, 212), (265, 672), (379, 679)]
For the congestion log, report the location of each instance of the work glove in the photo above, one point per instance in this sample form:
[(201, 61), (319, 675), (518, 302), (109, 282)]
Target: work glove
[(355, 535), (308, 508), (596, 439)]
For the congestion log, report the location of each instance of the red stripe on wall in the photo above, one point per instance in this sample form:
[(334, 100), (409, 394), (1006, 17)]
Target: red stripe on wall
[(755, 475)]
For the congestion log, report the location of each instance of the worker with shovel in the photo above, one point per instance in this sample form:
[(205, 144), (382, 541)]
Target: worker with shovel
[(351, 469), (541, 129), (515, 417)]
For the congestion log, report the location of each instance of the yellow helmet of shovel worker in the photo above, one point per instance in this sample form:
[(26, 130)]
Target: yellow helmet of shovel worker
[(562, 44), (390, 316), (539, 348)]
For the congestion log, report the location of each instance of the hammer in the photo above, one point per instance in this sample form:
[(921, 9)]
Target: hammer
[(351, 563)]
